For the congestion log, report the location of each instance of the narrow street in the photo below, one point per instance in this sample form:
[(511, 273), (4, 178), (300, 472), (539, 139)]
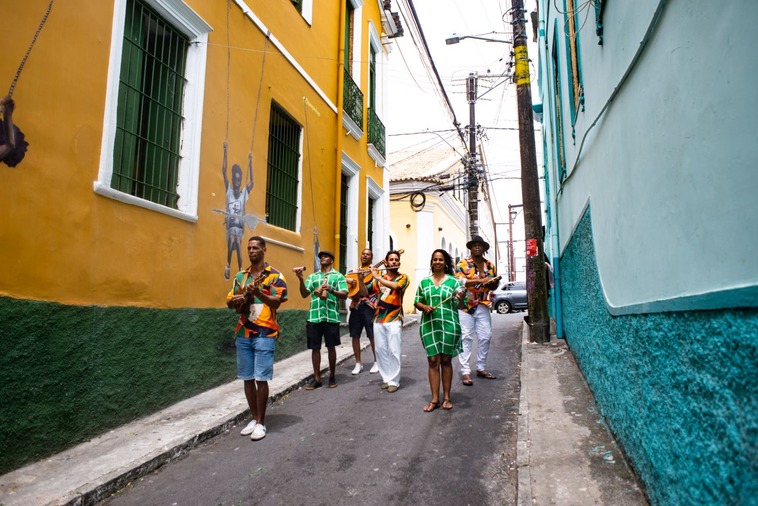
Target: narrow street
[(357, 444)]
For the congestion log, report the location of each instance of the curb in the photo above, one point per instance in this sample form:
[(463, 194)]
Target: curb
[(120, 457), (524, 480)]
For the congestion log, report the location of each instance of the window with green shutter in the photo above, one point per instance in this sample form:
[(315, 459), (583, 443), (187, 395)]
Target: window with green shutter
[(348, 35), (283, 165), (149, 115), (370, 220)]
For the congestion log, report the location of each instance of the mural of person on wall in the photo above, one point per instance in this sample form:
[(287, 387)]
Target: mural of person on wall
[(236, 198), (12, 143)]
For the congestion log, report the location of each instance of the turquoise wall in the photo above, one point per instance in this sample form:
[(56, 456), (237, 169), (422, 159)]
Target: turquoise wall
[(679, 389), (69, 373)]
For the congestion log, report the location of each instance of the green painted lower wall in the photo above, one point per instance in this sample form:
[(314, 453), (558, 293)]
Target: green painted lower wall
[(69, 373), (679, 389)]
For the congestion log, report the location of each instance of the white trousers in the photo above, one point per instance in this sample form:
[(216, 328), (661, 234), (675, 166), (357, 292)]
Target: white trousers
[(480, 323), (387, 339)]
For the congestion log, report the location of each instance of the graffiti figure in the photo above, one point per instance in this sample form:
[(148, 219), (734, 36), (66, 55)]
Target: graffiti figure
[(236, 198), (12, 143)]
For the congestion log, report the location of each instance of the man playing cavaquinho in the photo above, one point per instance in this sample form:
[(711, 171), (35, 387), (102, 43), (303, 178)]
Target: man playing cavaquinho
[(362, 309), (479, 277), (256, 294)]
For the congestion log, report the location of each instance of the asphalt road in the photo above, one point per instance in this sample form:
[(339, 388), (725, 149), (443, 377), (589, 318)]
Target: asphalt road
[(357, 444)]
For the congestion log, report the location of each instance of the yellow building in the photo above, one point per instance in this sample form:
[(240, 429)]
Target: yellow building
[(429, 210), (162, 134)]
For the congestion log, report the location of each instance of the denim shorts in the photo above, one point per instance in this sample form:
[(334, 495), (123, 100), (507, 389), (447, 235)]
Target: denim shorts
[(255, 358)]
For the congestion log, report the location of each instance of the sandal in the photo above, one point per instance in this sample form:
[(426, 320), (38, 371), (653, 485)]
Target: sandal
[(447, 405), (484, 374), (467, 380), (431, 407), (313, 385)]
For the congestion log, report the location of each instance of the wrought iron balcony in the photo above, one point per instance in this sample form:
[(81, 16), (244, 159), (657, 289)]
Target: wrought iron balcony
[(376, 132), (352, 100)]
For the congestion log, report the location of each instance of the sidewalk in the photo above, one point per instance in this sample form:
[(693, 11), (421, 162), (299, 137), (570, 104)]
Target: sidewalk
[(564, 454)]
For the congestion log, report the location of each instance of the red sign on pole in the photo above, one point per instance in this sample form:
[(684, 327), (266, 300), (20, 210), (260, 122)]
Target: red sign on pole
[(531, 247)]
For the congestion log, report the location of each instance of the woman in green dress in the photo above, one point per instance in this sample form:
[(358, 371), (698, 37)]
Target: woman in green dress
[(437, 297)]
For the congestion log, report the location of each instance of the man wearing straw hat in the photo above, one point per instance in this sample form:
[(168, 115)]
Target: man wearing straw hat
[(479, 277)]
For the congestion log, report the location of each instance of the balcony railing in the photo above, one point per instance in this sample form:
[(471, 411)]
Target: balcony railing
[(352, 100), (376, 132)]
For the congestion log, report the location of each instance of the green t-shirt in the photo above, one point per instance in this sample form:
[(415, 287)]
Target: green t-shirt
[(325, 310)]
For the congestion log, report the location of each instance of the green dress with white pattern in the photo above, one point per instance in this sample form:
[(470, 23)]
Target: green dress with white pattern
[(440, 329)]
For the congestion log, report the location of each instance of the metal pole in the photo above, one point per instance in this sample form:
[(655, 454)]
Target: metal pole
[(538, 320), (473, 176), (511, 256)]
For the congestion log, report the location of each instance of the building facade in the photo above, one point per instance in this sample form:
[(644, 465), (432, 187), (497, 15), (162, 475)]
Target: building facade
[(650, 162), (161, 135), (429, 211)]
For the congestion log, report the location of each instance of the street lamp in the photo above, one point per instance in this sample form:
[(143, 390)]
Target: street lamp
[(539, 324), (455, 38), (472, 179)]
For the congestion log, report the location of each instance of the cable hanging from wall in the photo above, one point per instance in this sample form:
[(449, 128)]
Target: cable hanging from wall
[(12, 144), (236, 195)]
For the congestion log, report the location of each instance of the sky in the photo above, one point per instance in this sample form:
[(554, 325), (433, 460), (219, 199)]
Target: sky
[(414, 107)]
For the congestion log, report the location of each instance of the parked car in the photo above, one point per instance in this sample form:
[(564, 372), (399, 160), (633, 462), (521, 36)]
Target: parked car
[(511, 295)]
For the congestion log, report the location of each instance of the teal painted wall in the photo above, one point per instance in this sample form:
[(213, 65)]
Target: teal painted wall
[(679, 389), (69, 373)]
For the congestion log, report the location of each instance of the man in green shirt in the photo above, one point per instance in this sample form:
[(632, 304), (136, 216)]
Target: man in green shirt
[(325, 287)]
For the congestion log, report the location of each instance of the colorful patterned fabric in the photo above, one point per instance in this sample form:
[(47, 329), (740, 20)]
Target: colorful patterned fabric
[(389, 306), (440, 330), (369, 299), (260, 319), (325, 310), (466, 269)]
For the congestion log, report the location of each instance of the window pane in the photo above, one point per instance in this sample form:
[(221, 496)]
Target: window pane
[(283, 163), (149, 115)]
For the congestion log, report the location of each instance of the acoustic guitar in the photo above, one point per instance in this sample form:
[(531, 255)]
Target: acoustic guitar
[(256, 283), (352, 291)]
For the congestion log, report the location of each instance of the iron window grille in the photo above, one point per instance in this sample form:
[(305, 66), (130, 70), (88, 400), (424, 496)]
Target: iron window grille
[(283, 164), (149, 114)]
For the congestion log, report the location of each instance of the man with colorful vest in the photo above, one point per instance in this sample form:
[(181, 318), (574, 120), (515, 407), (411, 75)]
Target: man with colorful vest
[(479, 277), (256, 294)]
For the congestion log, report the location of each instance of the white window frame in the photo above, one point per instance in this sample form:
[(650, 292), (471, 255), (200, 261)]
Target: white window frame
[(307, 11), (185, 20), (357, 38), (350, 170), (376, 192)]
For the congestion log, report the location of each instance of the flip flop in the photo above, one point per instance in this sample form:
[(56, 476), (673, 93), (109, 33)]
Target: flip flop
[(467, 380), (313, 385), (431, 407), (485, 375), (447, 405)]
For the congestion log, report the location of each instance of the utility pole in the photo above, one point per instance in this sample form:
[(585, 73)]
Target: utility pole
[(539, 322), (473, 175)]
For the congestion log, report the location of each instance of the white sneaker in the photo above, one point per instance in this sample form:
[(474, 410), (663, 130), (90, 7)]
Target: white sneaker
[(249, 428), (374, 369), (258, 433), (358, 368)]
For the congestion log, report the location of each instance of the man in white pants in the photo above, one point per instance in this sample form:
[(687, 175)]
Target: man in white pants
[(388, 320), (479, 276)]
